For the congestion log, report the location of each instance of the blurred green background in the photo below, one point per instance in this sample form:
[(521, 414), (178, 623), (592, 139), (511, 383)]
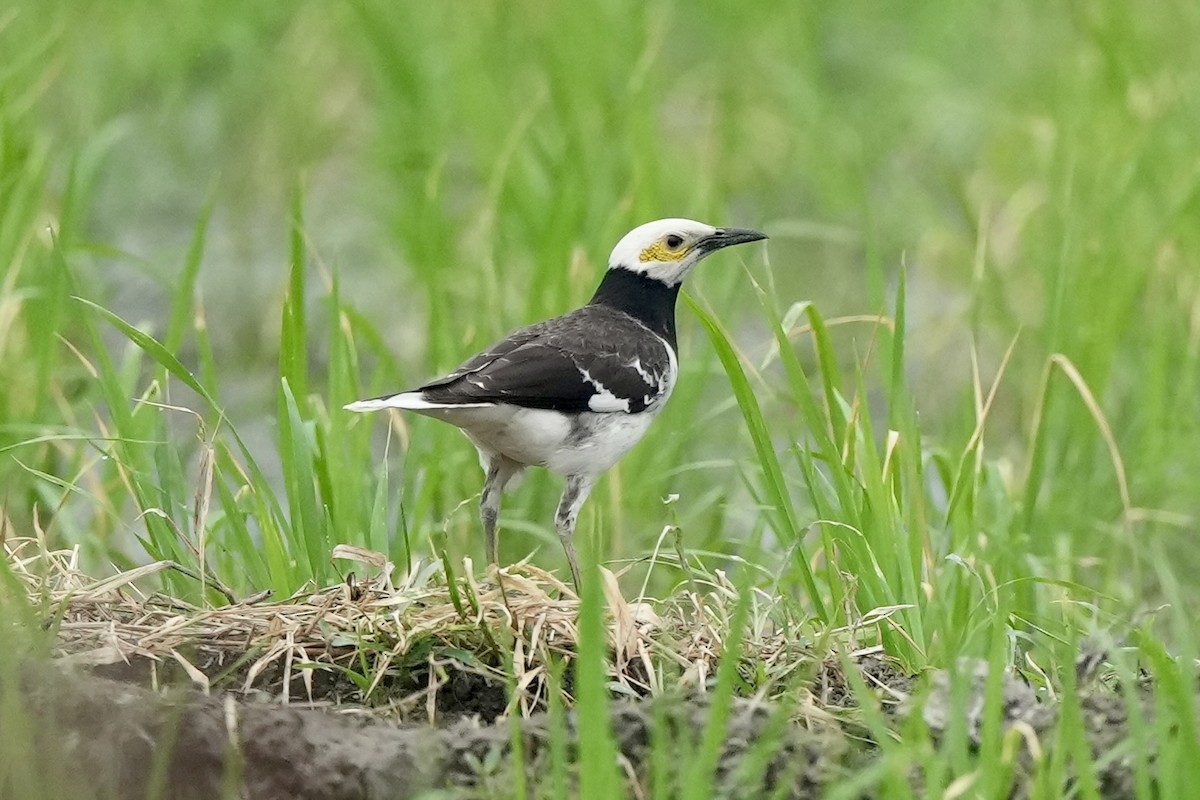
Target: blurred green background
[(464, 168)]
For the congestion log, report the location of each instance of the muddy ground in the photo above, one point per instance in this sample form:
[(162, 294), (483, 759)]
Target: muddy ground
[(383, 691), (121, 739)]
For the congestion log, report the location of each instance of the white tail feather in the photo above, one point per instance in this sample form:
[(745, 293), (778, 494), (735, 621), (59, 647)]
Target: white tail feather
[(411, 401)]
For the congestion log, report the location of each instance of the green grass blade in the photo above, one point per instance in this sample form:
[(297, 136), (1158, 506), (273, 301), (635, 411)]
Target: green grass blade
[(306, 513), (774, 483), (183, 301), (598, 775), (293, 338)]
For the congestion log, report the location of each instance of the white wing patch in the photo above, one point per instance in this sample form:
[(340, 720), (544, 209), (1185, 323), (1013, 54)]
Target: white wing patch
[(651, 380), (603, 400)]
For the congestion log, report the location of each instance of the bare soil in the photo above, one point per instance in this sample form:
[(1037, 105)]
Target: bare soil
[(120, 739)]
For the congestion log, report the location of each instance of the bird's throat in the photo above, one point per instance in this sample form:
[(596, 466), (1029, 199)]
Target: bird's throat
[(647, 300)]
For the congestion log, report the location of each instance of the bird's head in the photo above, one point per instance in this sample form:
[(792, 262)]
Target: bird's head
[(667, 249)]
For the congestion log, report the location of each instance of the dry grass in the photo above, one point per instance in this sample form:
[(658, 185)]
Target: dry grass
[(380, 633)]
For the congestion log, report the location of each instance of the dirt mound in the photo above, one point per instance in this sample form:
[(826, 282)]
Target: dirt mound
[(119, 740), (122, 740), (316, 696)]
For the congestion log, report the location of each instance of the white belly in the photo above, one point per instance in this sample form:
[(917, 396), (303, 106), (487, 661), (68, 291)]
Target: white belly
[(566, 444), (598, 441)]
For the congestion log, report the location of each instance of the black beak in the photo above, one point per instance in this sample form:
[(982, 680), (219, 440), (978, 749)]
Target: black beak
[(727, 237)]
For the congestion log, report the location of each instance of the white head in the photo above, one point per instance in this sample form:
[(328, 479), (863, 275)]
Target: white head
[(667, 249)]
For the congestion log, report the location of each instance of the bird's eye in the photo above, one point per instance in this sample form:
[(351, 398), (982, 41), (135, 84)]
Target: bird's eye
[(674, 241)]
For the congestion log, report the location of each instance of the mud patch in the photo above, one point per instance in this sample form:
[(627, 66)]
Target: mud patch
[(121, 740), (118, 739)]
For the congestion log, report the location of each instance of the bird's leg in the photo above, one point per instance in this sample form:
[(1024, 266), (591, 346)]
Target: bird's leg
[(575, 492), (499, 472)]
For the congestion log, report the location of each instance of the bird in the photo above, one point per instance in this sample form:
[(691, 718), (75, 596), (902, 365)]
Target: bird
[(574, 393)]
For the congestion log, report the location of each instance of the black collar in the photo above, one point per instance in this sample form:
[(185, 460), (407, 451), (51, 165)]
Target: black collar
[(647, 300)]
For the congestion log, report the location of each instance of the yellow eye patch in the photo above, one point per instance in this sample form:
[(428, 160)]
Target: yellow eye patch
[(659, 252)]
